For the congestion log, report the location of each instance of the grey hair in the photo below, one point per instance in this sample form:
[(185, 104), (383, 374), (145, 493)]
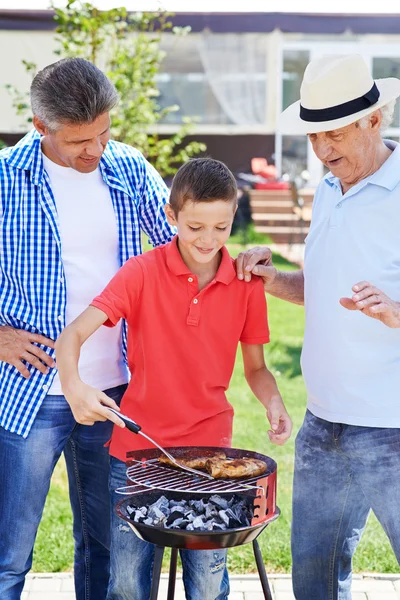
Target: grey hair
[(71, 90), (387, 111)]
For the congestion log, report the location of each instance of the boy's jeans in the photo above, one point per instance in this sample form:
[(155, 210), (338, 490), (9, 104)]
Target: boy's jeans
[(205, 576), (26, 466), (341, 472)]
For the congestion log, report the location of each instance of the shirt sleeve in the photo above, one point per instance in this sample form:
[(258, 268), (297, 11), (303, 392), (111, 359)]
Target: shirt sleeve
[(255, 329), (154, 195), (119, 300)]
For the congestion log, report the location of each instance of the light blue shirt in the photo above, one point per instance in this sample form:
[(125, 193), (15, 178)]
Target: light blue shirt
[(350, 362), (32, 279)]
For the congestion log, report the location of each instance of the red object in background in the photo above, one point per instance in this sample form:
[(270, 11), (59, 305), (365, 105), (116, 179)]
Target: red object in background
[(272, 185), (260, 166)]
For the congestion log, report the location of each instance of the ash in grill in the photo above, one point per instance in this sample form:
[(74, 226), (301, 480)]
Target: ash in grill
[(216, 513)]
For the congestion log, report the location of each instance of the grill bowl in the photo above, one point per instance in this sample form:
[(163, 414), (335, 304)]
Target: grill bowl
[(191, 540)]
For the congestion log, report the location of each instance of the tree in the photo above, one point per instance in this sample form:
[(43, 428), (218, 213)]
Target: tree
[(126, 46)]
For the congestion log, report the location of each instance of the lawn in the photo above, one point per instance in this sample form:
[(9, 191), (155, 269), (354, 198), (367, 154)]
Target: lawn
[(54, 548)]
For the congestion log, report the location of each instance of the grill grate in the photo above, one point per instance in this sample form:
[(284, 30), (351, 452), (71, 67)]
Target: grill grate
[(151, 474)]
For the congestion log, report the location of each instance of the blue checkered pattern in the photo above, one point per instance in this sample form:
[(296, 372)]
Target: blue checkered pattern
[(32, 282)]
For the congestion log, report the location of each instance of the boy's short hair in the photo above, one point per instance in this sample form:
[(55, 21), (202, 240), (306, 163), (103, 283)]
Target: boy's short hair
[(202, 180)]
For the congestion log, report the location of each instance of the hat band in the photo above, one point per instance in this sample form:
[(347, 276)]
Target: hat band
[(341, 110)]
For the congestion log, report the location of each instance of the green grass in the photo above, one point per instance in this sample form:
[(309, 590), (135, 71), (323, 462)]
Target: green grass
[(54, 548)]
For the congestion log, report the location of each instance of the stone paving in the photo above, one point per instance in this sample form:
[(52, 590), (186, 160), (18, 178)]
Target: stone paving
[(59, 586)]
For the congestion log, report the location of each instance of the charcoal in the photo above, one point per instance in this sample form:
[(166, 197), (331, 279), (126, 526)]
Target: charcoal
[(196, 514), (176, 515), (224, 517), (198, 505), (211, 511), (219, 526), (176, 503), (198, 523), (162, 504), (222, 503), (140, 515), (156, 514)]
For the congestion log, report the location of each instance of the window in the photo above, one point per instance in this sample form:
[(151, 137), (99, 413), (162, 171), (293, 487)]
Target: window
[(294, 64), (388, 67)]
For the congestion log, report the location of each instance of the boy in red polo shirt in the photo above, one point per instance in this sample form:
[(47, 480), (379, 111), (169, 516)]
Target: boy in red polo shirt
[(186, 313)]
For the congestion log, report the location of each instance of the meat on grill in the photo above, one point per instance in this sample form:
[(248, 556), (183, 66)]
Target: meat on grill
[(199, 462), (221, 468)]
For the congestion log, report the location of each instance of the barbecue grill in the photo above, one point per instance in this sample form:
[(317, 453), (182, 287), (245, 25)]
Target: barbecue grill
[(148, 480)]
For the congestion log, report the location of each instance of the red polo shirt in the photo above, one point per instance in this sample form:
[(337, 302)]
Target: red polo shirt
[(182, 346)]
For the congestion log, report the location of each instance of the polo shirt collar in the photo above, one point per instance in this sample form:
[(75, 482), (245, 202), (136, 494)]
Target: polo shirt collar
[(387, 176), (226, 271)]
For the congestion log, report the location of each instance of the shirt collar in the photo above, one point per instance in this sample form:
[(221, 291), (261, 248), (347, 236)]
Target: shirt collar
[(226, 270), (387, 176)]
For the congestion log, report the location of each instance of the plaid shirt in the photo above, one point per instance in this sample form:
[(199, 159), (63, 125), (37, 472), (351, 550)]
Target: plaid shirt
[(32, 282)]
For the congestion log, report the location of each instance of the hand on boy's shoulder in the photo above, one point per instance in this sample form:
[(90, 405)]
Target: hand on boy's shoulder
[(256, 261)]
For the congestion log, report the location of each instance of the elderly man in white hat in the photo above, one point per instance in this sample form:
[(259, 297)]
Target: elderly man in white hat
[(348, 448)]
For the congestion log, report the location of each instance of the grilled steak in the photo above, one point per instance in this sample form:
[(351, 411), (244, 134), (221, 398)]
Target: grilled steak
[(198, 462), (233, 469)]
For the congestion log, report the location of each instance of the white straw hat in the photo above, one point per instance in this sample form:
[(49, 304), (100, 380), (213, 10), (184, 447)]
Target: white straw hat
[(336, 91)]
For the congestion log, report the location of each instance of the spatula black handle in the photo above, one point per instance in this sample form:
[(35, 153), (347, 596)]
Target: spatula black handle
[(129, 424)]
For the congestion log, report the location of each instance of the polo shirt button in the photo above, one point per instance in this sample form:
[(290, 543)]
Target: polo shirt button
[(340, 205), (190, 279), (195, 301)]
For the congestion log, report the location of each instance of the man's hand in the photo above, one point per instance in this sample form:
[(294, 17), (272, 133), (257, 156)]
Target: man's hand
[(281, 423), (256, 261), (373, 303), (17, 345), (89, 405)]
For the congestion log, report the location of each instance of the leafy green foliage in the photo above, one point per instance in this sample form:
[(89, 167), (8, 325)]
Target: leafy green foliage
[(126, 46)]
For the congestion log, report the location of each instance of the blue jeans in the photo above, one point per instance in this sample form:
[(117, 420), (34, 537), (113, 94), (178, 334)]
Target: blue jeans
[(341, 473), (26, 466), (205, 576)]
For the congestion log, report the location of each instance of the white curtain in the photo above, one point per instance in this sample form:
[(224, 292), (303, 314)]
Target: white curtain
[(235, 66)]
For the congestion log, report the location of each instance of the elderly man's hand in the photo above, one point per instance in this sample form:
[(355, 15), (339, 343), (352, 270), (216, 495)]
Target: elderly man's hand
[(373, 303), (256, 261)]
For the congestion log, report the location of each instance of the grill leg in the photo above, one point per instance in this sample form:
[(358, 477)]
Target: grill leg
[(172, 574), (155, 582), (261, 571)]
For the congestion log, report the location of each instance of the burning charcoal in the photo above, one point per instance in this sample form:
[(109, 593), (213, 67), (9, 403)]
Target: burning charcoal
[(140, 515), (162, 504), (189, 527), (198, 523), (176, 515), (178, 503), (178, 508), (148, 521), (176, 524), (190, 516), (198, 506), (219, 526), (211, 511), (224, 517), (220, 502), (130, 509), (156, 514)]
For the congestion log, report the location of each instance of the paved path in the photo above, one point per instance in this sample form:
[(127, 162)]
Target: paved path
[(243, 587)]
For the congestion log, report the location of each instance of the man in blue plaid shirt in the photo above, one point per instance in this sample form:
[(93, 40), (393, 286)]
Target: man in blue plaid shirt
[(73, 204)]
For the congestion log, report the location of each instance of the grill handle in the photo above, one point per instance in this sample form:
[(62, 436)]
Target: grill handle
[(129, 424)]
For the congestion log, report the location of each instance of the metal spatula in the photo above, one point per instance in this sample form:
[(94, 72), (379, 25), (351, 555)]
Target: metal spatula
[(135, 428)]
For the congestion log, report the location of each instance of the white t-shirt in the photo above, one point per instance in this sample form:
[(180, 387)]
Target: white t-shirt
[(90, 256), (351, 363)]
